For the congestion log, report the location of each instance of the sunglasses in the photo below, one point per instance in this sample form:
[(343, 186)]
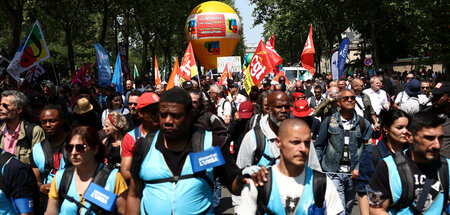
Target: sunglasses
[(5, 106), (425, 87), (345, 98), (132, 103), (79, 148)]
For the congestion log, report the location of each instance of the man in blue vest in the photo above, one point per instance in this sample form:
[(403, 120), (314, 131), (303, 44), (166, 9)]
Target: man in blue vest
[(292, 182), (171, 184), (415, 181)]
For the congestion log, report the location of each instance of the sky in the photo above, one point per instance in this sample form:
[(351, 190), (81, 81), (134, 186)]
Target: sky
[(251, 34)]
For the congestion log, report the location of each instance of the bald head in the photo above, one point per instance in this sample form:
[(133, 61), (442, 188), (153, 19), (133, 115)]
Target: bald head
[(289, 125), (357, 85), (277, 96)]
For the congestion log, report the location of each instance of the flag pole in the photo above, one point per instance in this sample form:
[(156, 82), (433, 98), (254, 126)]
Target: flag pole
[(54, 72)]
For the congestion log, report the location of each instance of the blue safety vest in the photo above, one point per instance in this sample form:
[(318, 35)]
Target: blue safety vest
[(68, 207), (275, 203), (39, 160), (187, 196), (395, 184)]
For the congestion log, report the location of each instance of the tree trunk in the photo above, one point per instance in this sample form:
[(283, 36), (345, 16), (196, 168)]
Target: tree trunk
[(145, 42), (70, 52), (16, 19), (104, 23)]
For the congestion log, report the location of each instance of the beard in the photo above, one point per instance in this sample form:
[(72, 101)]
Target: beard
[(275, 120)]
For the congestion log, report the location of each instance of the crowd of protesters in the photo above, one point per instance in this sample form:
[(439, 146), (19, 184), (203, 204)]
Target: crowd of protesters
[(312, 147)]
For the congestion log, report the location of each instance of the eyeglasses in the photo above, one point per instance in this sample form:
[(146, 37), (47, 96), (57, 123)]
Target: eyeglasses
[(132, 103), (79, 148), (345, 98)]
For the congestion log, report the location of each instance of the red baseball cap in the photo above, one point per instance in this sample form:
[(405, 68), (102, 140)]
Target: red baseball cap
[(147, 99), (245, 110), (301, 108)]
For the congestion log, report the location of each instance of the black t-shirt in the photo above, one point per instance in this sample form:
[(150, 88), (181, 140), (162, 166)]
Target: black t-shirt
[(421, 172), (175, 160)]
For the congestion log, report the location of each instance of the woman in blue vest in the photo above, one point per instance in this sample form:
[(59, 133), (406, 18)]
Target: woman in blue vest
[(394, 127), (87, 154)]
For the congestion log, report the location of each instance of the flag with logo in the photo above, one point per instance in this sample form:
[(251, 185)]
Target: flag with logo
[(224, 78), (104, 70), (342, 57), (188, 67), (307, 56), (334, 66), (117, 79), (35, 74), (270, 45), (281, 74), (261, 64), (157, 75), (174, 77), (32, 50)]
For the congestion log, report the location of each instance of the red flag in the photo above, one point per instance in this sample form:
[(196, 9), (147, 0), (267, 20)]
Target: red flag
[(281, 73), (262, 63), (307, 56), (224, 78), (173, 76), (157, 76), (188, 67), (270, 45), (80, 77)]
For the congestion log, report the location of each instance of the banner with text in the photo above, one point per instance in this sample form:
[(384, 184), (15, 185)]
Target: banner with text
[(233, 62)]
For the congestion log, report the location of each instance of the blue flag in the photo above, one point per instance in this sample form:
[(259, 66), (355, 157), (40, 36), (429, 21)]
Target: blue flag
[(117, 79), (104, 71), (343, 51)]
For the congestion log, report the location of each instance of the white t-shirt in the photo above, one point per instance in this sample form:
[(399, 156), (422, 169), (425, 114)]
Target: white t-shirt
[(290, 189), (378, 99)]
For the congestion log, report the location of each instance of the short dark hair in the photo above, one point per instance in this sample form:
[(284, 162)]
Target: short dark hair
[(135, 93), (318, 87), (55, 107), (424, 119), (179, 96), (90, 137)]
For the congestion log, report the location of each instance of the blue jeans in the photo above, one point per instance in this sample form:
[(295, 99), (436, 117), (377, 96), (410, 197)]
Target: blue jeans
[(217, 195), (346, 188)]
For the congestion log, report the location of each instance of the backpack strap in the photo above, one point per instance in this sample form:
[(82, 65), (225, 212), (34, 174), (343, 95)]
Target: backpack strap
[(260, 144), (48, 155), (64, 184), (141, 148), (5, 157), (319, 188), (444, 179), (102, 175), (362, 124), (376, 155), (264, 194), (29, 132), (405, 173), (137, 133)]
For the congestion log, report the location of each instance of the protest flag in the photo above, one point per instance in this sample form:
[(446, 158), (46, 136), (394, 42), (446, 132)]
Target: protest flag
[(342, 56), (80, 76), (117, 79), (224, 78), (35, 75), (307, 56), (104, 70), (136, 72), (32, 50), (173, 79), (270, 45), (262, 63), (281, 74), (188, 67), (157, 75)]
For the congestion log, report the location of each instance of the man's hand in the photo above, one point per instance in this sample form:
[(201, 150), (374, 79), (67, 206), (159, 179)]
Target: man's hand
[(355, 174), (259, 178), (44, 188)]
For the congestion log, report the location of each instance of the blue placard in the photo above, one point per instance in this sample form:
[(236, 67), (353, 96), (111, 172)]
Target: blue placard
[(97, 195), (209, 158)]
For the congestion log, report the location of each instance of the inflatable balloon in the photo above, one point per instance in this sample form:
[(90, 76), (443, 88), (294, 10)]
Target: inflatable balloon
[(214, 29), (248, 58)]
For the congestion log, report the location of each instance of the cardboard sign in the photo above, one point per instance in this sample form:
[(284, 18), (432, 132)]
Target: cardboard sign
[(209, 158), (97, 195)]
